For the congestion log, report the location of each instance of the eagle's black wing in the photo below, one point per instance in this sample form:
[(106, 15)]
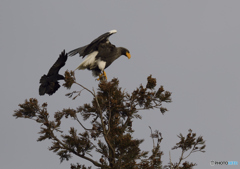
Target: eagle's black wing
[(78, 50), (93, 46)]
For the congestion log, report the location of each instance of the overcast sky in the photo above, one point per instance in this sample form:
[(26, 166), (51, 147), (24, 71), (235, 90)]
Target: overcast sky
[(191, 47)]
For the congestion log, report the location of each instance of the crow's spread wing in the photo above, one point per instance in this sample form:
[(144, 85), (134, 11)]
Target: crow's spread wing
[(58, 64), (49, 83)]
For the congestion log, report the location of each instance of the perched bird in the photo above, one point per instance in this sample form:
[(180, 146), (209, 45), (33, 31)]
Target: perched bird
[(100, 54), (49, 83)]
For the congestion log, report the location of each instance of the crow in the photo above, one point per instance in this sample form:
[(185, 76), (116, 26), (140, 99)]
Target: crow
[(49, 83)]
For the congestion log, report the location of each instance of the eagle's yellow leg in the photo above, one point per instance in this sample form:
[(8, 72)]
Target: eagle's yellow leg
[(99, 77), (103, 74)]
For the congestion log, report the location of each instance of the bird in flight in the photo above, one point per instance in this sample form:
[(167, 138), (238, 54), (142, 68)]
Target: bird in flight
[(49, 83), (100, 54)]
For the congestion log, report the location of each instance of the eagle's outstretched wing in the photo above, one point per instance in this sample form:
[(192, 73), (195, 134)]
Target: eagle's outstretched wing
[(93, 46)]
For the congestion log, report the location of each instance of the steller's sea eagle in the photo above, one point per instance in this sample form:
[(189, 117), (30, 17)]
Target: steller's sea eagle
[(100, 54)]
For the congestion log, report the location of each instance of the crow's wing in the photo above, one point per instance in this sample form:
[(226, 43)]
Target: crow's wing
[(93, 46), (58, 64), (49, 88), (42, 89)]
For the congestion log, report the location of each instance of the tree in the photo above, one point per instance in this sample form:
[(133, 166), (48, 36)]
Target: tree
[(111, 114)]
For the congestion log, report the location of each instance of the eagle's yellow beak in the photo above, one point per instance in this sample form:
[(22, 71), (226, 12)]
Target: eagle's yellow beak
[(128, 55)]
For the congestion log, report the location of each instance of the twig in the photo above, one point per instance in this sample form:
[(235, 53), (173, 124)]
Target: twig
[(84, 88), (190, 152), (79, 92), (180, 160), (152, 137), (81, 124)]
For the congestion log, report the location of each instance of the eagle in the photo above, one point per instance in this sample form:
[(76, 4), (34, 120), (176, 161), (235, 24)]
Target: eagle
[(100, 54), (49, 83)]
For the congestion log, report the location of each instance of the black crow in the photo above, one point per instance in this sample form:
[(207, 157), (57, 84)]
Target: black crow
[(49, 83)]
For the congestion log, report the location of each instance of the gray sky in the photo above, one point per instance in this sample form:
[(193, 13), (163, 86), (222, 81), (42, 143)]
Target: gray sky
[(191, 47)]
